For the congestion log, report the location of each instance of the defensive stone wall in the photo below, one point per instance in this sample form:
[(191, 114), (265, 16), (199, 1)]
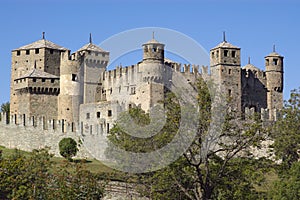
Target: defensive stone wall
[(36, 134)]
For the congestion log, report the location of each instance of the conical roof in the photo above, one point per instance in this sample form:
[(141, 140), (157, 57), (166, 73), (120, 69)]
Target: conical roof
[(42, 44)]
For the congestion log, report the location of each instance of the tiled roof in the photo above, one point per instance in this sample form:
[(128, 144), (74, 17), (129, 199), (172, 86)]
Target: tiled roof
[(36, 73), (225, 44), (42, 44), (91, 47)]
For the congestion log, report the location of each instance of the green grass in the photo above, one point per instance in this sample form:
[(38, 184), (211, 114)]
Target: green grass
[(9, 152)]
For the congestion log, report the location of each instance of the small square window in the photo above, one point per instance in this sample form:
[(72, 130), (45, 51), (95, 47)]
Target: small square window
[(43, 80), (37, 51), (98, 114), (18, 53), (109, 113), (34, 80), (27, 52), (87, 115), (52, 80)]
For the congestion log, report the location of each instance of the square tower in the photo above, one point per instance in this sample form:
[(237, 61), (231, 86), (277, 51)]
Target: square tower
[(226, 71)]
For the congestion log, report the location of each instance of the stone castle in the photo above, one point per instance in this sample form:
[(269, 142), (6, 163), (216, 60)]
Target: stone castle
[(54, 89)]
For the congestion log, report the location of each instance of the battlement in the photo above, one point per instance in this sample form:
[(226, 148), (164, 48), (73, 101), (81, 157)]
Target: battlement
[(265, 114), (40, 124), (260, 74), (185, 69)]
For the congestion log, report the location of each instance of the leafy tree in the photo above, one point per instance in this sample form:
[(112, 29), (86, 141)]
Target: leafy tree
[(73, 182), (229, 170), (286, 135), (33, 177), (288, 186), (25, 177), (68, 148), (5, 107), (286, 131)]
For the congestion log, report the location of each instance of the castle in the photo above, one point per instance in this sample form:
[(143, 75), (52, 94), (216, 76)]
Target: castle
[(51, 88)]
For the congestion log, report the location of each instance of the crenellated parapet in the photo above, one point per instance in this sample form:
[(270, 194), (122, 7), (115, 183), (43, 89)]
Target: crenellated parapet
[(265, 114)]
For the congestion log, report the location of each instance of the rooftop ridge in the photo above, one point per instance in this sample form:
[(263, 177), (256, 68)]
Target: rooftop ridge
[(43, 43)]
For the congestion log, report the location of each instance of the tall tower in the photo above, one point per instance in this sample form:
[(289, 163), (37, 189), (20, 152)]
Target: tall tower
[(79, 79), (226, 71), (274, 75), (94, 62), (34, 82)]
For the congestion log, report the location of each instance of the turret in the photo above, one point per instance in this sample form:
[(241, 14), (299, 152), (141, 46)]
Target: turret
[(153, 51), (274, 75)]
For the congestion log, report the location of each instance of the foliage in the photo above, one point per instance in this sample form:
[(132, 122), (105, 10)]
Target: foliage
[(68, 148), (31, 177), (288, 187), (5, 107), (286, 132), (226, 171), (286, 135)]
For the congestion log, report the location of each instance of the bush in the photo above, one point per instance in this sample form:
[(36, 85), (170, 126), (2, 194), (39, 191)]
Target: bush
[(68, 148)]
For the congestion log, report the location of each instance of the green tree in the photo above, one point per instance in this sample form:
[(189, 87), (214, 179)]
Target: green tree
[(25, 177), (5, 108), (229, 170), (68, 148), (288, 186), (286, 131), (33, 177), (72, 181), (286, 135)]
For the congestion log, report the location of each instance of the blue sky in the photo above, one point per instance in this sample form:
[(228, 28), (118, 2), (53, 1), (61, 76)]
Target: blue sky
[(253, 25)]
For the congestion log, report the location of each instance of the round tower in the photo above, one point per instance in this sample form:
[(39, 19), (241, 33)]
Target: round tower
[(153, 51), (274, 75)]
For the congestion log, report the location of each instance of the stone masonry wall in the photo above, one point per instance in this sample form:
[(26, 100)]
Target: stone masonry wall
[(28, 138)]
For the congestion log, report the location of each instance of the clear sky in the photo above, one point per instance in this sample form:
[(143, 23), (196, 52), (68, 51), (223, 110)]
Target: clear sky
[(253, 25)]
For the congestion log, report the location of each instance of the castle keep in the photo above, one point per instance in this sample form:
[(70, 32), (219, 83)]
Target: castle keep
[(51, 87)]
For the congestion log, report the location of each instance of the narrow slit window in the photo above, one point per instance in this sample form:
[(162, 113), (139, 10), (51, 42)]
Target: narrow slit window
[(74, 77), (233, 54), (109, 113), (225, 53)]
